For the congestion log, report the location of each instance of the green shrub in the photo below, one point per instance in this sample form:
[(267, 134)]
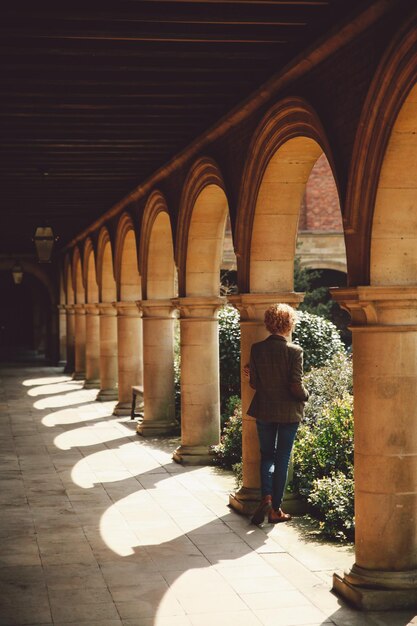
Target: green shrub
[(330, 382), (318, 337), (332, 499), (229, 354), (325, 446), (229, 450), (231, 404)]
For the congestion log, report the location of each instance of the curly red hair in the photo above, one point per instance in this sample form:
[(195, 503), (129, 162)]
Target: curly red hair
[(280, 319)]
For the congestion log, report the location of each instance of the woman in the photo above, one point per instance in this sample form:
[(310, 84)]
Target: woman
[(275, 370)]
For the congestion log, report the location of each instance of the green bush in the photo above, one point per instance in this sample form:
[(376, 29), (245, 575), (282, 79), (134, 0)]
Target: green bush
[(229, 354), (325, 446), (332, 499), (318, 337), (330, 382), (231, 404), (229, 451)]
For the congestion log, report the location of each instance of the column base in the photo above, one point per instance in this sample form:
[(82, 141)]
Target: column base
[(105, 395), (377, 591), (78, 376), (61, 364), (92, 384), (123, 408), (148, 428), (245, 501), (194, 455)]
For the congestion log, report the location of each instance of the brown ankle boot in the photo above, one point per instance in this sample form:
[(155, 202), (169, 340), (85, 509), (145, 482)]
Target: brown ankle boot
[(264, 506), (275, 516)]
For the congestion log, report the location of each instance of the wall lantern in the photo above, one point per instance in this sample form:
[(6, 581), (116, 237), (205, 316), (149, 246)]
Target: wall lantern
[(17, 273), (44, 242)]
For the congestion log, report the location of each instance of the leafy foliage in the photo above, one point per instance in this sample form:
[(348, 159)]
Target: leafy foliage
[(332, 499), (229, 450), (330, 382), (229, 354), (324, 447), (318, 337), (316, 300)]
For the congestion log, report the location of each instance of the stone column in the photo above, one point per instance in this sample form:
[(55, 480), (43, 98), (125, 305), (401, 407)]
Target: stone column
[(384, 325), (200, 393), (79, 343), (62, 334), (92, 347), (130, 360), (252, 329), (158, 367), (69, 369), (108, 352)]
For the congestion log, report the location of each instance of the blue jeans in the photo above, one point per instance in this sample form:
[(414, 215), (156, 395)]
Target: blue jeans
[(276, 441)]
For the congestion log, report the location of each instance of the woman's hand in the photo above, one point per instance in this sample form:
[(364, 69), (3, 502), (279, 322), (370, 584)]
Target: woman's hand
[(246, 371)]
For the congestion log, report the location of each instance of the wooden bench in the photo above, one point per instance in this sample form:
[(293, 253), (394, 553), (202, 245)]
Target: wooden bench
[(136, 391)]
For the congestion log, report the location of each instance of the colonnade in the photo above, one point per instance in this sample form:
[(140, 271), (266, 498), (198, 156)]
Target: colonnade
[(120, 304)]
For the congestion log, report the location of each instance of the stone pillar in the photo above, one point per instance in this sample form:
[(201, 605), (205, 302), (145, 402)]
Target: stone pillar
[(79, 343), (158, 367), (92, 347), (62, 320), (108, 352), (69, 369), (252, 329), (130, 360), (384, 326), (200, 390)]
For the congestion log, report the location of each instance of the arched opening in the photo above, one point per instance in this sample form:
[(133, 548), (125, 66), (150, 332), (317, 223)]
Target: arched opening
[(79, 283), (394, 226), (161, 272), (205, 242), (320, 261), (107, 281), (130, 281), (277, 214), (91, 278)]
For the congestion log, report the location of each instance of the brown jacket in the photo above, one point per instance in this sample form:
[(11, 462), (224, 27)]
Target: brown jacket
[(276, 369)]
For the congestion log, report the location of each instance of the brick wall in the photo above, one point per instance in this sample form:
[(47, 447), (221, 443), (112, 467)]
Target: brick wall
[(320, 210)]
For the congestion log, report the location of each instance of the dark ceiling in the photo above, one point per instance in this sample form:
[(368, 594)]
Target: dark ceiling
[(95, 99)]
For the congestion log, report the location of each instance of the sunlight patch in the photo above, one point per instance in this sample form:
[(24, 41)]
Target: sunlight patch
[(93, 411), (48, 380), (73, 397), (92, 435), (53, 388)]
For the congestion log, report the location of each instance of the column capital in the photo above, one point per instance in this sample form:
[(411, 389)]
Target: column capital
[(79, 309), (199, 307), (251, 306), (91, 308), (61, 308), (126, 309), (386, 307), (70, 308), (157, 309), (107, 309)]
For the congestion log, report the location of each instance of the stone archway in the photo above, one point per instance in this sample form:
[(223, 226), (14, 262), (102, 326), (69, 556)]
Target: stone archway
[(204, 209), (129, 321), (382, 261), (159, 287), (80, 320), (107, 316), (285, 147), (92, 325)]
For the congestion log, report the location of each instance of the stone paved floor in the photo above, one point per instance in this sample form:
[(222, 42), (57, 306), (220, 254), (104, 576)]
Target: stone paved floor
[(100, 527)]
